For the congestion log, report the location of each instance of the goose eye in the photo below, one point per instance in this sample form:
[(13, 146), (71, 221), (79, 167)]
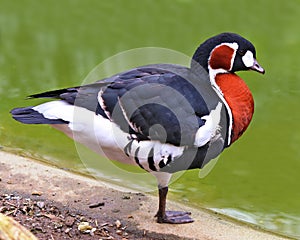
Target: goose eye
[(241, 52)]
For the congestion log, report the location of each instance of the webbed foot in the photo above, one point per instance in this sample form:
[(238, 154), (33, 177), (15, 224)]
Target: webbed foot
[(175, 217)]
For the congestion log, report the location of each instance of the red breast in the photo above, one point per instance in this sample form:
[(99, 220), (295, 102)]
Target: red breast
[(239, 98)]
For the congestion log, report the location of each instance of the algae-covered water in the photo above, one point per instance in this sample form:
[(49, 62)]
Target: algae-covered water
[(47, 45)]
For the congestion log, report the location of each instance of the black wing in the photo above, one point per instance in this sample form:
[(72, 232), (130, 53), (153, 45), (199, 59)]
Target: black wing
[(83, 96), (156, 104)]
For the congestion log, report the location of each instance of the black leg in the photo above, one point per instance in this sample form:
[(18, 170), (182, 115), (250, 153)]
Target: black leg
[(174, 217), (161, 213)]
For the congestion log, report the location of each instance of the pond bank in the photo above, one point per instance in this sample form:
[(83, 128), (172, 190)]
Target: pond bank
[(114, 212)]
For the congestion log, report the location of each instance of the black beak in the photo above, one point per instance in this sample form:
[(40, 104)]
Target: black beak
[(256, 67)]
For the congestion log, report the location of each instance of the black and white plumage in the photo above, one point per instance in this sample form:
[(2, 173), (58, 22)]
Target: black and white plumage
[(164, 118)]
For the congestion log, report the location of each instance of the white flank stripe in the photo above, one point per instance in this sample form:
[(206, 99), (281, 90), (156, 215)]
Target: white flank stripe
[(56, 110), (209, 129)]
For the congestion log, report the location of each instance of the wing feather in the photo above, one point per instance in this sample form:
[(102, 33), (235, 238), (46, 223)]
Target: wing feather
[(157, 105)]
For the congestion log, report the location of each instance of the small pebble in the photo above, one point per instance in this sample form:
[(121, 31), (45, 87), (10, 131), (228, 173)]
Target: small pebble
[(84, 227), (40, 204), (118, 223), (92, 231), (37, 193), (126, 197), (95, 205), (69, 221)]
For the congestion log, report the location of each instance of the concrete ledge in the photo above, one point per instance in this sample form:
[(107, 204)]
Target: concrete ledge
[(20, 174)]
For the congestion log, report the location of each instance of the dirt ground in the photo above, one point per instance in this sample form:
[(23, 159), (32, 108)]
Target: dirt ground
[(56, 204)]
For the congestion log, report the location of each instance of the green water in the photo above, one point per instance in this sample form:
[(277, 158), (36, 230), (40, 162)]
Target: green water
[(46, 45)]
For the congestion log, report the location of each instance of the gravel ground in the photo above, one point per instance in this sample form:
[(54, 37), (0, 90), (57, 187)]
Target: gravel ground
[(52, 220)]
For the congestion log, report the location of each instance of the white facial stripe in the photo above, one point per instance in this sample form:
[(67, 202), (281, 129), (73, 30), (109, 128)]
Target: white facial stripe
[(214, 72), (234, 46), (248, 59)]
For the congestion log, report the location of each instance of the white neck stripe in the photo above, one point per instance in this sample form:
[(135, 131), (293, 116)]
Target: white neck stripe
[(212, 76)]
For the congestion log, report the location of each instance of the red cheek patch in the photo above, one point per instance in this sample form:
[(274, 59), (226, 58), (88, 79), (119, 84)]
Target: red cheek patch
[(221, 57)]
